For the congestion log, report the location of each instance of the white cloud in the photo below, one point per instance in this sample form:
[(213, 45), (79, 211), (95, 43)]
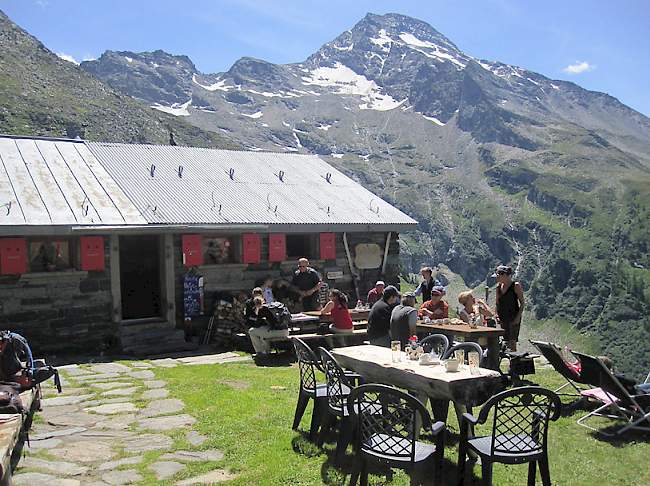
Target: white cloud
[(68, 58), (578, 67)]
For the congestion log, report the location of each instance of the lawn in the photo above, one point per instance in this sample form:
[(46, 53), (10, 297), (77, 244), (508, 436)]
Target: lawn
[(247, 411)]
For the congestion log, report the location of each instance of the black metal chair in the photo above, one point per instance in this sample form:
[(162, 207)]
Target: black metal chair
[(308, 364), (338, 389), (467, 347), (438, 343), (519, 432), (388, 423)]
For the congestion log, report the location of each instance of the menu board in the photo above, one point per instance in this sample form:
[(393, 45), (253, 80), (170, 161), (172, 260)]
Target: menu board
[(193, 295)]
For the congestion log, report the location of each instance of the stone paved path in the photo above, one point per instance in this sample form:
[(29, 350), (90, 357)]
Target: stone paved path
[(94, 423)]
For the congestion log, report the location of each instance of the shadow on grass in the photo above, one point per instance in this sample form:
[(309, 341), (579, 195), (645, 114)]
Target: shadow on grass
[(275, 360)]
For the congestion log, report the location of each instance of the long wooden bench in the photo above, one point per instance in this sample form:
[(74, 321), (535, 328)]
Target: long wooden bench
[(13, 430), (356, 333)]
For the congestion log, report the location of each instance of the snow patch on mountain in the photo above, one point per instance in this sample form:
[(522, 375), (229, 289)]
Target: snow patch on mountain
[(437, 51), (434, 120), (254, 116), (351, 83), (220, 85), (176, 109), (382, 40)]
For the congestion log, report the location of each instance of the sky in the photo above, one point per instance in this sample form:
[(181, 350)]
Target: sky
[(600, 45)]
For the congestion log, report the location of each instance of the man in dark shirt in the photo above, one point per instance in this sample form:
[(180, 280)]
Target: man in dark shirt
[(404, 320), (305, 283), (379, 317)]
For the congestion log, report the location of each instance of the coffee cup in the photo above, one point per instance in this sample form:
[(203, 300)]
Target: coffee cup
[(452, 365), (424, 358)]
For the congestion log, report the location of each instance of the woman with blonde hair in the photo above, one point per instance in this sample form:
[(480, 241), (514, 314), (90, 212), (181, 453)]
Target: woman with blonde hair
[(472, 306)]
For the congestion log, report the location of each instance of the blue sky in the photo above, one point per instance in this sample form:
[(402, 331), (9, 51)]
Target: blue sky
[(600, 45)]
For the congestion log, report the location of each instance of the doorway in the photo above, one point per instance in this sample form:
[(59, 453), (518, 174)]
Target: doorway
[(140, 277)]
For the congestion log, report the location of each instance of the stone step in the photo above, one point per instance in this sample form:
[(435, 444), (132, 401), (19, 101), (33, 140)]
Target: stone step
[(160, 349), (157, 336), (136, 326)]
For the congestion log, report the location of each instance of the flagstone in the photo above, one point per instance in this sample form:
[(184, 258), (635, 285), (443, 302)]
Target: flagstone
[(122, 477), (111, 384), (162, 407), (121, 391), (110, 368), (56, 433), (165, 469), (142, 375), (147, 442), (195, 438), (165, 362), (55, 467), (75, 419), (142, 364), (86, 451), (96, 376), (41, 445), (119, 462), (65, 400), (38, 479), (104, 400), (155, 393), (166, 423), (155, 383), (49, 412), (119, 422), (111, 408), (78, 372), (216, 476), (194, 456)]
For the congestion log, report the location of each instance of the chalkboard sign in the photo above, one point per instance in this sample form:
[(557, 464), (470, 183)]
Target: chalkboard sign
[(193, 292)]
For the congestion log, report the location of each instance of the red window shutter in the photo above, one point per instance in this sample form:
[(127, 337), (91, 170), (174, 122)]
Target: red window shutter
[(251, 244), (13, 256), (92, 253), (192, 250), (327, 246), (277, 247)]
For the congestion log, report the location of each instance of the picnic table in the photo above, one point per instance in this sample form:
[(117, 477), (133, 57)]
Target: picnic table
[(355, 315), (490, 334), (376, 365)]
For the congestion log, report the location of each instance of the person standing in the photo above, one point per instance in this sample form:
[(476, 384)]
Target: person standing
[(404, 320), (306, 282), (428, 284), (379, 317), (376, 293), (267, 291), (509, 304)]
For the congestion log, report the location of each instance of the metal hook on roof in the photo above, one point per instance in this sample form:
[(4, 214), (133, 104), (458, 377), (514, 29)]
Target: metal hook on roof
[(152, 170), (8, 206), (328, 178), (180, 171), (373, 209), (232, 174), (281, 176)]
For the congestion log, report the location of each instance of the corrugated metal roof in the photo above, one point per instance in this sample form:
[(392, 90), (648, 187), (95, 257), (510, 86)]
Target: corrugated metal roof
[(194, 186), (58, 183)]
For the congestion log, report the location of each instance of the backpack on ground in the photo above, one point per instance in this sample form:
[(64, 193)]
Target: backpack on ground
[(14, 350), (277, 315), (10, 401)]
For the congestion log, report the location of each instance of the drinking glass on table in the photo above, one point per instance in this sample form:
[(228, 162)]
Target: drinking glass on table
[(396, 351), (473, 362), (460, 356)]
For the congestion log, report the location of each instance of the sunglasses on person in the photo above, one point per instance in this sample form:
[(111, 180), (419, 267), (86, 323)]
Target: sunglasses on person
[(302, 266)]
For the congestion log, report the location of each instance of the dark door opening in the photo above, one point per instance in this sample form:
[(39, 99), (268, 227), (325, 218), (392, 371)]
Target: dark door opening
[(140, 277)]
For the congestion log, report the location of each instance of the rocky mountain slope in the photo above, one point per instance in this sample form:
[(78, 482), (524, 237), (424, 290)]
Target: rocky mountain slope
[(43, 95), (499, 164)]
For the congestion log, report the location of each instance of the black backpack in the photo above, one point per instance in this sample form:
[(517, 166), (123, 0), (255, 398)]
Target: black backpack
[(14, 350), (277, 315)]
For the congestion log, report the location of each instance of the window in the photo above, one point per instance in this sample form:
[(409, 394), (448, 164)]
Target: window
[(50, 255), (299, 246), (217, 249)]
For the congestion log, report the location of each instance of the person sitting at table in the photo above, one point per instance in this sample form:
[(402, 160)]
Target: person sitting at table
[(436, 308), (267, 292), (337, 307), (306, 282), (376, 293), (404, 320), (472, 306), (249, 307), (379, 317), (265, 327)]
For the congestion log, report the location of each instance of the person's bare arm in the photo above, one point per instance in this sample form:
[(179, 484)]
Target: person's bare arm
[(520, 295)]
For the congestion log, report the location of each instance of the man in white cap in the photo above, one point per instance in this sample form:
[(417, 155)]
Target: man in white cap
[(376, 293)]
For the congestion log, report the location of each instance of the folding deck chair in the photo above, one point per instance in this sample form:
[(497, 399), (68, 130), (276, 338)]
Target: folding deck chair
[(630, 405), (557, 361)]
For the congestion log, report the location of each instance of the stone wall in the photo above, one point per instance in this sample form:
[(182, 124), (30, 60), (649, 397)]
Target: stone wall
[(59, 312)]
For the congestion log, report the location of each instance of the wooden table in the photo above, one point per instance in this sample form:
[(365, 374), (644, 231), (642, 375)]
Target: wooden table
[(491, 333), (375, 364), (13, 430), (355, 315)]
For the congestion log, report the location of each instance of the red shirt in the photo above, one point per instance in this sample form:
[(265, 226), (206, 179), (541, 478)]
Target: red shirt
[(440, 310), (341, 317), (374, 296)]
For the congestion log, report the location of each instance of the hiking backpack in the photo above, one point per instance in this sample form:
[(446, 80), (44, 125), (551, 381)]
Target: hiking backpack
[(14, 350), (278, 316)]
